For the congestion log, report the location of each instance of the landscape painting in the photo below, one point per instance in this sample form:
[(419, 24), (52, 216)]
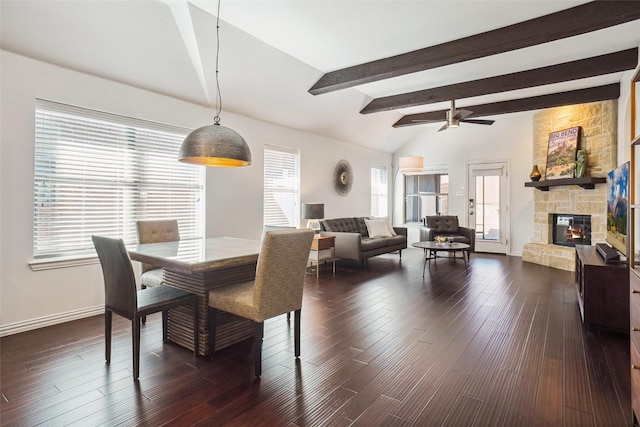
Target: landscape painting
[(561, 154), (618, 207)]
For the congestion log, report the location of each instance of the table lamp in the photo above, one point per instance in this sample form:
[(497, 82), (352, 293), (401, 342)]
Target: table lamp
[(313, 212)]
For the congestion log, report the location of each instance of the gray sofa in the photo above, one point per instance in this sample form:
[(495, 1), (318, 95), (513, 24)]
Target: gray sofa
[(353, 241)]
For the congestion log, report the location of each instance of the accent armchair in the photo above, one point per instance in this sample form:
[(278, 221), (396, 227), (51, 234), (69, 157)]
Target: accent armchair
[(447, 226)]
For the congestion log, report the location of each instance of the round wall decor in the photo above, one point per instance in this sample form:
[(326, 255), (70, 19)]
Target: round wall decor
[(343, 177)]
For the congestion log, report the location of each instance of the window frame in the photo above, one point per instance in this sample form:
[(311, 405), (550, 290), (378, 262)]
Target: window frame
[(379, 191), (109, 187), (439, 195), (293, 188)]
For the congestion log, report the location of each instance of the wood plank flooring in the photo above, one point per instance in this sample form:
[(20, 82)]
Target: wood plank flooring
[(499, 344)]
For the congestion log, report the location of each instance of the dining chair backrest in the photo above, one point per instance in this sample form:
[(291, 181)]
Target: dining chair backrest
[(120, 292), (280, 272), (157, 231)]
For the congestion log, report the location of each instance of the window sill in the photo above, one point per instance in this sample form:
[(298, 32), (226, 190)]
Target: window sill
[(49, 264)]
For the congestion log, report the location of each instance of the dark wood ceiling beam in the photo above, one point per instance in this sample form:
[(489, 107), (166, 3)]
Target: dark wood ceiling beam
[(580, 96), (574, 70), (570, 22)]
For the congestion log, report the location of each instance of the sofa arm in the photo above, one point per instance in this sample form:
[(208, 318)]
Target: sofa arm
[(401, 231), (348, 245), (426, 234), (470, 234)]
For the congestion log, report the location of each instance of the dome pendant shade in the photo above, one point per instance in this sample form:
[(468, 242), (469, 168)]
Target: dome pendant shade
[(215, 145)]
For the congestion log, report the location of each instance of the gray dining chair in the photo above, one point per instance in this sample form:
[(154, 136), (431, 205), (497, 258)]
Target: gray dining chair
[(276, 290), (122, 297)]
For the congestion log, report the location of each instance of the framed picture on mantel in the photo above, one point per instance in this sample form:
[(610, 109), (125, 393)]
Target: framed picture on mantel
[(561, 154)]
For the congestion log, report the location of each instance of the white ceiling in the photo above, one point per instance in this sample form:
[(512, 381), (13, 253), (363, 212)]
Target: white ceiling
[(273, 51)]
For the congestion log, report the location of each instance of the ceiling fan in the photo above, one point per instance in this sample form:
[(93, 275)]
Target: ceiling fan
[(455, 117)]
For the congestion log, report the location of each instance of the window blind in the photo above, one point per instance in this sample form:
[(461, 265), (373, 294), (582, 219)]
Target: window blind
[(379, 193), (98, 173), (281, 186)]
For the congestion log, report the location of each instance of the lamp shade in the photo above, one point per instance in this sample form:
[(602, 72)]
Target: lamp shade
[(313, 210), (215, 145), (410, 163)]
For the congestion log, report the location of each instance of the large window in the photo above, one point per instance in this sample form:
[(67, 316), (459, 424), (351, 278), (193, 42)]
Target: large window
[(379, 189), (281, 186), (98, 173), (426, 194)]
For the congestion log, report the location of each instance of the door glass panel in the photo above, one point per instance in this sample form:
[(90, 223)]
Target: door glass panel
[(488, 207)]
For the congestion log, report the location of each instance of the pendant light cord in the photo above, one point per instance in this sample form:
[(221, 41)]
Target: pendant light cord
[(216, 119)]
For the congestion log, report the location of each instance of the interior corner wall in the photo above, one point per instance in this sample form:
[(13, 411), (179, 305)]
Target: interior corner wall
[(31, 299), (508, 139)]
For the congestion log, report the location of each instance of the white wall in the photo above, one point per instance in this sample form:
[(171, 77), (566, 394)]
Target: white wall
[(509, 139), (31, 299)]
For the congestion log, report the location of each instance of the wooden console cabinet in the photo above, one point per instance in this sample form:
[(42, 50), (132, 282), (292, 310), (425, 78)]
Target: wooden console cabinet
[(603, 290)]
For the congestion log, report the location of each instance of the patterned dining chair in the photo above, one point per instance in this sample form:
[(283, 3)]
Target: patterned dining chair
[(155, 231), (276, 290)]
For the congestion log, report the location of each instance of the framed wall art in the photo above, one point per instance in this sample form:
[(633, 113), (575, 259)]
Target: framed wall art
[(561, 154)]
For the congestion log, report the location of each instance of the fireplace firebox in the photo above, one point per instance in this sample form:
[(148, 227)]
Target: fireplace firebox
[(571, 230)]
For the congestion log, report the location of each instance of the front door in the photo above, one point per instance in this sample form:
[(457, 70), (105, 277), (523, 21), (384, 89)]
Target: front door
[(488, 206)]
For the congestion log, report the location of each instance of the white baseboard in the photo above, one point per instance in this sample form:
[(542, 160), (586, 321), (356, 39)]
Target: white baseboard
[(41, 322)]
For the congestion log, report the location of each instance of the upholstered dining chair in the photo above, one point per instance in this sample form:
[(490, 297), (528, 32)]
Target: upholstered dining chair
[(122, 297), (277, 288), (155, 231)]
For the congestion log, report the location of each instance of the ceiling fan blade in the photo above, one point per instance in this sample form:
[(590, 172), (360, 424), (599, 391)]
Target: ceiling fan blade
[(446, 125), (461, 114), (478, 121), (426, 121)]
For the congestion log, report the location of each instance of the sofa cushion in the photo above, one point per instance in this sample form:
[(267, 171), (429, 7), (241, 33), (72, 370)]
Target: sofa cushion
[(458, 238), (342, 225), (362, 226), (443, 223), (395, 240), (370, 243)]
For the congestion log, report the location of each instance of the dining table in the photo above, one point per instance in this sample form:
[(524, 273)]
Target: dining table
[(200, 266)]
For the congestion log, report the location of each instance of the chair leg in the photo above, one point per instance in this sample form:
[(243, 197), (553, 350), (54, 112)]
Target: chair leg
[(288, 316), (135, 323), (258, 334), (144, 318), (165, 317), (196, 332), (212, 331), (108, 316), (296, 332)]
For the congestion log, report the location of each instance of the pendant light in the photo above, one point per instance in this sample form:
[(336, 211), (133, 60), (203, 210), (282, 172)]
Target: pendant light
[(215, 145)]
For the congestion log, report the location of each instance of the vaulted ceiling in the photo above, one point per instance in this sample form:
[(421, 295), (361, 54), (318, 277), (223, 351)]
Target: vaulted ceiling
[(350, 70)]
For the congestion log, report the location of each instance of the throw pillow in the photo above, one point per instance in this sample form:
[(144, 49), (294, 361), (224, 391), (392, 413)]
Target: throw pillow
[(389, 226), (377, 228)]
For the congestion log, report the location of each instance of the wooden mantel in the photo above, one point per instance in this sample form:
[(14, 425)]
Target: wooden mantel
[(588, 182)]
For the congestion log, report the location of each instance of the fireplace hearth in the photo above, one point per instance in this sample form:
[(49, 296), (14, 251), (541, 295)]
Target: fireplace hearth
[(571, 230)]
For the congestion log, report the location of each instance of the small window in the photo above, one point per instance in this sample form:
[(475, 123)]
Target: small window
[(379, 195), (426, 194), (281, 186), (98, 173)]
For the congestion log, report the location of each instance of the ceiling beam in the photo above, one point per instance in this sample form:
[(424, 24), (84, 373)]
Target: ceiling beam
[(580, 96), (574, 70), (570, 22)]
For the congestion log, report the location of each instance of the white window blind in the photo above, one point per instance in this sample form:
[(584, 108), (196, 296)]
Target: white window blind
[(379, 189), (281, 186), (98, 173)]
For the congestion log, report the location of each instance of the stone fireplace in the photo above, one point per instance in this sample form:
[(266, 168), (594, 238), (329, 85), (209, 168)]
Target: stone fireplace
[(599, 123)]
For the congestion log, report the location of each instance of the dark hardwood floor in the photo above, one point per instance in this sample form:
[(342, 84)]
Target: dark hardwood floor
[(501, 344)]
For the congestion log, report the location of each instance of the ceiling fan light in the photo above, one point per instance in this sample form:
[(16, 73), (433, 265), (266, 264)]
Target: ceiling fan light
[(215, 145)]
